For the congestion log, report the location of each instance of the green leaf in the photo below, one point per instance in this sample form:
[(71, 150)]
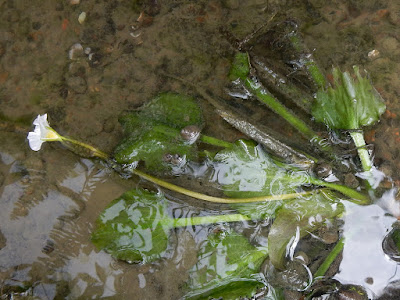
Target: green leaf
[(134, 227), (160, 147), (246, 170), (228, 267), (349, 104), (153, 133), (170, 109), (240, 67), (299, 217)]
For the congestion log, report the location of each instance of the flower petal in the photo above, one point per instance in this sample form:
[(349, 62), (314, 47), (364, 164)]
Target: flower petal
[(35, 141), (41, 120)]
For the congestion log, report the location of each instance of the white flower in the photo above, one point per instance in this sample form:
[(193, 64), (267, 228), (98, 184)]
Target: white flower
[(42, 133)]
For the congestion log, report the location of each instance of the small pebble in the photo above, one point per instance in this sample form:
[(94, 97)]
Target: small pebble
[(74, 2), (369, 280), (329, 236), (82, 17), (351, 180), (75, 51), (190, 133), (373, 54), (302, 257), (323, 170), (167, 157)]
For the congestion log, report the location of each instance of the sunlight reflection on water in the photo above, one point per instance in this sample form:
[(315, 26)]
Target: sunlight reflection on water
[(363, 256)]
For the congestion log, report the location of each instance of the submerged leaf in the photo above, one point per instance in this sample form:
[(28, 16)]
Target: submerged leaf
[(160, 147), (228, 267), (171, 109), (348, 104), (246, 170), (296, 219), (134, 227), (153, 133)]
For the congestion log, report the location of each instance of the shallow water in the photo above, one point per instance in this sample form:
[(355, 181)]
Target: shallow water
[(50, 199)]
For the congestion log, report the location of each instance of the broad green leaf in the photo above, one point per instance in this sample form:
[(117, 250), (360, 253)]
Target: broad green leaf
[(134, 227), (152, 134), (160, 147), (348, 104), (246, 170), (298, 218), (228, 267)]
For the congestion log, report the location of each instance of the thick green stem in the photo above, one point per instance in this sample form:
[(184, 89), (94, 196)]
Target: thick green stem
[(330, 259), (359, 141), (214, 141), (265, 97), (355, 196), (183, 222)]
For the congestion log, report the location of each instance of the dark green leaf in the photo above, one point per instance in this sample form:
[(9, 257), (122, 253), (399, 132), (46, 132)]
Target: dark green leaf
[(153, 133), (300, 216), (228, 267), (348, 104), (134, 227), (160, 147)]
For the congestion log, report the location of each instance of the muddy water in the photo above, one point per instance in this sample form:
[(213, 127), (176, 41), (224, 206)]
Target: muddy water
[(50, 199)]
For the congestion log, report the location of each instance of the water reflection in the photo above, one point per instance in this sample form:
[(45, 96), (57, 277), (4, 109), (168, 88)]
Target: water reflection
[(91, 274), (364, 262)]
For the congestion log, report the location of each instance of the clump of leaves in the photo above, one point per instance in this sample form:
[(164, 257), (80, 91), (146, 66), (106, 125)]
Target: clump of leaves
[(153, 133), (349, 104)]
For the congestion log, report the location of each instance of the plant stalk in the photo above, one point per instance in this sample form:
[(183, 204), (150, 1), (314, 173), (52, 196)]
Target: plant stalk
[(354, 196), (204, 197), (323, 268), (183, 222), (93, 151), (359, 141)]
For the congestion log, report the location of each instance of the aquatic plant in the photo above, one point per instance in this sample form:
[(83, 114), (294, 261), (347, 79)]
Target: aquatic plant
[(258, 185), (350, 104)]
